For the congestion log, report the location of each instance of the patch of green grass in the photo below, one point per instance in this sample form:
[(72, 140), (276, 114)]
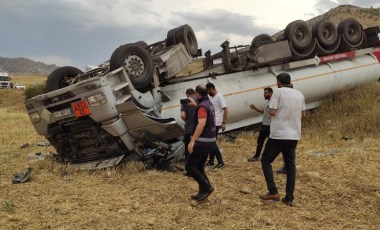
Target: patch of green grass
[(9, 206), (35, 90)]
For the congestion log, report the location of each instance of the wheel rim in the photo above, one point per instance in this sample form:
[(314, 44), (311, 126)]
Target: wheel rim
[(134, 66), (299, 35), (326, 33), (352, 31), (65, 81)]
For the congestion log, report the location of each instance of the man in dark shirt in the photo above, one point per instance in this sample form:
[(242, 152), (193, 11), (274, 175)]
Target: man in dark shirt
[(203, 141), (187, 115)]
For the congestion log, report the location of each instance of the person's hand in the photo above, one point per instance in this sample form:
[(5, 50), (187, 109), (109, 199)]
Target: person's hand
[(190, 147), (192, 102), (223, 126), (252, 106)]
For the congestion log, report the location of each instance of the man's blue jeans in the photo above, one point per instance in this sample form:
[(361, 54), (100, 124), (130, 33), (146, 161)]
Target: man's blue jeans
[(272, 149)]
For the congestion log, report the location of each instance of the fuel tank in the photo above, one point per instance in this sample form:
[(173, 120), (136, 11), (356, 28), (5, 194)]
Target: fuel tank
[(316, 78)]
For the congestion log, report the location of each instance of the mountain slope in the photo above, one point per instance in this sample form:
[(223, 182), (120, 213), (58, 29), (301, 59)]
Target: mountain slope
[(366, 16), (24, 66)]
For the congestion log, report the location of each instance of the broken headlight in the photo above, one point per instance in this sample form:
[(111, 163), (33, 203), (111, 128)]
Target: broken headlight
[(35, 117), (97, 99)]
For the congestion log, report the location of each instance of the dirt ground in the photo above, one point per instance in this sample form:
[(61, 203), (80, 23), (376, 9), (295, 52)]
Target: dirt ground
[(337, 184)]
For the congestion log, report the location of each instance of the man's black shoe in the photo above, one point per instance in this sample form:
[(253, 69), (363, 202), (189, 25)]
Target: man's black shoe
[(210, 163), (287, 202), (282, 170), (253, 159), (219, 166), (187, 174), (195, 197), (205, 195)]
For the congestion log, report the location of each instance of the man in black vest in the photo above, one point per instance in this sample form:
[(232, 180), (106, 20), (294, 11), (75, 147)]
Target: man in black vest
[(203, 141)]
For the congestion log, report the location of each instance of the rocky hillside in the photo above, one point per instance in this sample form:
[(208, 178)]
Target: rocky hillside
[(24, 66), (367, 17)]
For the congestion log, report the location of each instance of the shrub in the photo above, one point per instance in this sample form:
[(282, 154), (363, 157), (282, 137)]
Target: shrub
[(35, 90)]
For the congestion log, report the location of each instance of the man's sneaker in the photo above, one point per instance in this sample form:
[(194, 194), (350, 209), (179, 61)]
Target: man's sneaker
[(287, 202), (253, 159), (268, 196), (209, 163), (218, 166), (282, 170)]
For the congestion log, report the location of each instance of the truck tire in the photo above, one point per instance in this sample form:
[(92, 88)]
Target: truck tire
[(351, 30), (259, 40), (171, 37), (143, 44), (186, 36), (137, 62), (326, 32), (61, 77), (299, 34)]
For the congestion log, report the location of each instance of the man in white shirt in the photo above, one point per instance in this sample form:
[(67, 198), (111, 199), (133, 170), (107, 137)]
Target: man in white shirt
[(221, 114), (286, 107)]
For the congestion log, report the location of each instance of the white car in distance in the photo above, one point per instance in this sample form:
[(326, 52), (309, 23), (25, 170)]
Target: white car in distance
[(19, 86)]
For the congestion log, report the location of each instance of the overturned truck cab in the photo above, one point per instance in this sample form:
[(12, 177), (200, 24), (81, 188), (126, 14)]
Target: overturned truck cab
[(101, 119), (127, 109)]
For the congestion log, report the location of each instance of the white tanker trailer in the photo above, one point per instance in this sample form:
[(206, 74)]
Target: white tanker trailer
[(316, 78), (128, 108)]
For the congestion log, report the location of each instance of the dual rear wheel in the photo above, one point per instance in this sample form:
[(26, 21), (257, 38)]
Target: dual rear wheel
[(324, 37)]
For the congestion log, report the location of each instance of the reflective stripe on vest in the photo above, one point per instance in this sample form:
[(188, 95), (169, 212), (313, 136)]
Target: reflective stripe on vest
[(204, 139)]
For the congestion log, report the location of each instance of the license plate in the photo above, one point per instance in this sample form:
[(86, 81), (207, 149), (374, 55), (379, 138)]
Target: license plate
[(81, 108), (62, 113)]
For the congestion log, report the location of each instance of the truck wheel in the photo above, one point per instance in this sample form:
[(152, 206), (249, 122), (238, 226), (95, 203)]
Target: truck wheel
[(299, 34), (351, 30), (325, 32), (171, 37), (261, 39), (61, 77), (143, 44), (136, 61), (184, 34)]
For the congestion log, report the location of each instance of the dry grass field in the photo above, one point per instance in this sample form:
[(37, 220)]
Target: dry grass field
[(338, 186), (29, 80)]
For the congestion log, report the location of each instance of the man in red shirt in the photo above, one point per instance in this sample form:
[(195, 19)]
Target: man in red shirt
[(203, 141)]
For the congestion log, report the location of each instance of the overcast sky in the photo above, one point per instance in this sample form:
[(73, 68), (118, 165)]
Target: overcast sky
[(86, 32)]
